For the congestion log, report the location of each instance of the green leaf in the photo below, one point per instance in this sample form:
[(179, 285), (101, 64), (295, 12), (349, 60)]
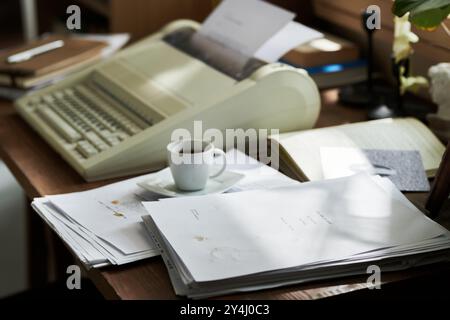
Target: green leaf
[(423, 13), (402, 7)]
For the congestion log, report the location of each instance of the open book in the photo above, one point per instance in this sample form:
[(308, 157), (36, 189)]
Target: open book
[(299, 152)]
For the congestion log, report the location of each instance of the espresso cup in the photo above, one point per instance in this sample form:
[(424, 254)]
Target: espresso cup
[(191, 163)]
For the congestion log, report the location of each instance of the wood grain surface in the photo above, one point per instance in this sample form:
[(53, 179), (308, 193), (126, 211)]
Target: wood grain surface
[(41, 171)]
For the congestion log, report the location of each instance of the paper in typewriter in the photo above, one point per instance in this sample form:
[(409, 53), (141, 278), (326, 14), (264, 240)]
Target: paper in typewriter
[(233, 235), (241, 36), (245, 26)]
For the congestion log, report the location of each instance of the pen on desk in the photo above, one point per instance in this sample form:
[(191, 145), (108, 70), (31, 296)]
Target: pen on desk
[(28, 54)]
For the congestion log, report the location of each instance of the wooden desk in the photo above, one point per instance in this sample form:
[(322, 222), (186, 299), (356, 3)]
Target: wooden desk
[(40, 171)]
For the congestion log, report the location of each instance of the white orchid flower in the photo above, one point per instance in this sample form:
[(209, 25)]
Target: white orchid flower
[(403, 36), (412, 84)]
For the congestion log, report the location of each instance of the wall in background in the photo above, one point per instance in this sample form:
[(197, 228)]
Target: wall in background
[(142, 17), (138, 17), (10, 23), (13, 262), (344, 17)]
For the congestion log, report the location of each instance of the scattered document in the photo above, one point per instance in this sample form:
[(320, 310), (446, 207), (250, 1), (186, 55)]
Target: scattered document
[(245, 26), (106, 218), (291, 36), (267, 238), (103, 226)]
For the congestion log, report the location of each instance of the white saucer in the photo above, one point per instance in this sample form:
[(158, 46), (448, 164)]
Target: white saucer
[(164, 185)]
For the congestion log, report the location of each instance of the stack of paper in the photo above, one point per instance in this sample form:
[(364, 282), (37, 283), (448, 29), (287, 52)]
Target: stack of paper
[(267, 238), (103, 226)]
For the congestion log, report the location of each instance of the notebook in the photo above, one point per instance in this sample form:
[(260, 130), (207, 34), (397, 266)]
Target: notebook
[(299, 152), (74, 54)]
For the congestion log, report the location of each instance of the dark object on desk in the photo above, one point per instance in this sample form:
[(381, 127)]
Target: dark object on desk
[(368, 94), (409, 173), (399, 106), (378, 109), (385, 110), (381, 100), (441, 187), (357, 96), (337, 75)]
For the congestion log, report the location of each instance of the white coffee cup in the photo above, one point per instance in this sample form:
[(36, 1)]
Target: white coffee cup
[(191, 163)]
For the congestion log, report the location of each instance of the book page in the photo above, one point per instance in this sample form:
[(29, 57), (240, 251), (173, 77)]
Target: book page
[(391, 134)]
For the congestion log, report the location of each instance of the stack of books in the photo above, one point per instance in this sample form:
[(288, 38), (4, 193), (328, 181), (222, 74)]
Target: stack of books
[(71, 54), (331, 61)]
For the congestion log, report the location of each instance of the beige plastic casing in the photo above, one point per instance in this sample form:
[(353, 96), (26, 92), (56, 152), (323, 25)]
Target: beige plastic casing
[(276, 96)]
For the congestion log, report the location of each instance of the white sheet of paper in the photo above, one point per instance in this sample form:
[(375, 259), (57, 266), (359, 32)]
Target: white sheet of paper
[(245, 25), (236, 234), (340, 162), (291, 36), (113, 254), (257, 174), (81, 246), (113, 212)]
